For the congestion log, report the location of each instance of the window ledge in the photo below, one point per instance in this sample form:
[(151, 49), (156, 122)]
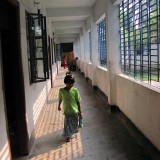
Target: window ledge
[(154, 88), (105, 69)]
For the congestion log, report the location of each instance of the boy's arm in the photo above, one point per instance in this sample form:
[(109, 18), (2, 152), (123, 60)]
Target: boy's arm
[(79, 108), (59, 105), (60, 100)]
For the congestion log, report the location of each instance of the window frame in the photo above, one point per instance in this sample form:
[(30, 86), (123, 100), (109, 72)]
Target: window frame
[(37, 73), (102, 45), (140, 39)]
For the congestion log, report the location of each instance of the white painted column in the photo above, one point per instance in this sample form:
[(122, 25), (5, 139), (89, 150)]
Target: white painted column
[(86, 47), (77, 48), (94, 49), (94, 42), (113, 50), (82, 47)]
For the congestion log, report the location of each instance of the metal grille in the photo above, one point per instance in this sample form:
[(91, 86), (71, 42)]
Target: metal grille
[(102, 43), (140, 39), (90, 46)]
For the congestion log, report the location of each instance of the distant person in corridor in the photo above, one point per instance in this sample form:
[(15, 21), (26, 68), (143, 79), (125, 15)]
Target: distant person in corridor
[(64, 61), (71, 107)]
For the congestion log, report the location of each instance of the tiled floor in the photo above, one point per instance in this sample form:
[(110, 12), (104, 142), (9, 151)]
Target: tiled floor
[(103, 137)]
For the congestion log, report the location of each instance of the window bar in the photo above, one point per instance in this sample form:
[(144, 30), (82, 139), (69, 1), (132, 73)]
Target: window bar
[(43, 48), (137, 49), (149, 54), (140, 40), (134, 40), (121, 35), (105, 46), (90, 47), (102, 44), (148, 40), (158, 38), (128, 46), (46, 67), (124, 51), (142, 43), (157, 43), (99, 42)]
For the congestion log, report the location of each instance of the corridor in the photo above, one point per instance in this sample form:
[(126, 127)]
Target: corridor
[(115, 45), (104, 136)]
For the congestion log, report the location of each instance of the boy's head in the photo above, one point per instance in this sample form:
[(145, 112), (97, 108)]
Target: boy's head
[(69, 79)]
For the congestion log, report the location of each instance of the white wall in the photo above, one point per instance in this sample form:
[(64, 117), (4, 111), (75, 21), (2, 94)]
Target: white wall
[(86, 47), (90, 71), (36, 93), (141, 104), (99, 9), (102, 79), (113, 50), (94, 43), (82, 47)]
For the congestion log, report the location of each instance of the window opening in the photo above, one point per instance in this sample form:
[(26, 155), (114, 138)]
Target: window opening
[(102, 43), (90, 46), (37, 47), (58, 47), (140, 40)]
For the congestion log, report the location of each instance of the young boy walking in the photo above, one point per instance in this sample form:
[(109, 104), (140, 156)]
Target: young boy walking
[(71, 107)]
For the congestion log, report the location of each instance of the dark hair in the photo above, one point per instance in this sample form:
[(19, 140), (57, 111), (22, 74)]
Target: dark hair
[(69, 79)]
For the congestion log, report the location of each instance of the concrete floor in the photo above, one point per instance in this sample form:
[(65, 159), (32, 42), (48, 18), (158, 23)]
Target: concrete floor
[(105, 135)]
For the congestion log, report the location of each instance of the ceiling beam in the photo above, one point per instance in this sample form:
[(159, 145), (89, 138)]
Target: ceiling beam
[(73, 35), (66, 40), (116, 2), (68, 30), (68, 24), (67, 12)]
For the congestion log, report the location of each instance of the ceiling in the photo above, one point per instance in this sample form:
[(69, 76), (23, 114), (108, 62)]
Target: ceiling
[(68, 3), (68, 17)]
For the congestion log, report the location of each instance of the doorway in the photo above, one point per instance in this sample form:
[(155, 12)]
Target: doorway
[(13, 81)]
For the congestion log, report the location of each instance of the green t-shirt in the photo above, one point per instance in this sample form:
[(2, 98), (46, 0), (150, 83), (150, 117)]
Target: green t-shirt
[(69, 99)]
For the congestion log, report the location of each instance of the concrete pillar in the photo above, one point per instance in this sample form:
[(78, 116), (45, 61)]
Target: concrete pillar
[(94, 42), (94, 49), (113, 50), (86, 46), (82, 47)]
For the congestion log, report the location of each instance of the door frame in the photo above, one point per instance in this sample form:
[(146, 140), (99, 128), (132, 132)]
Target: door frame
[(23, 137)]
